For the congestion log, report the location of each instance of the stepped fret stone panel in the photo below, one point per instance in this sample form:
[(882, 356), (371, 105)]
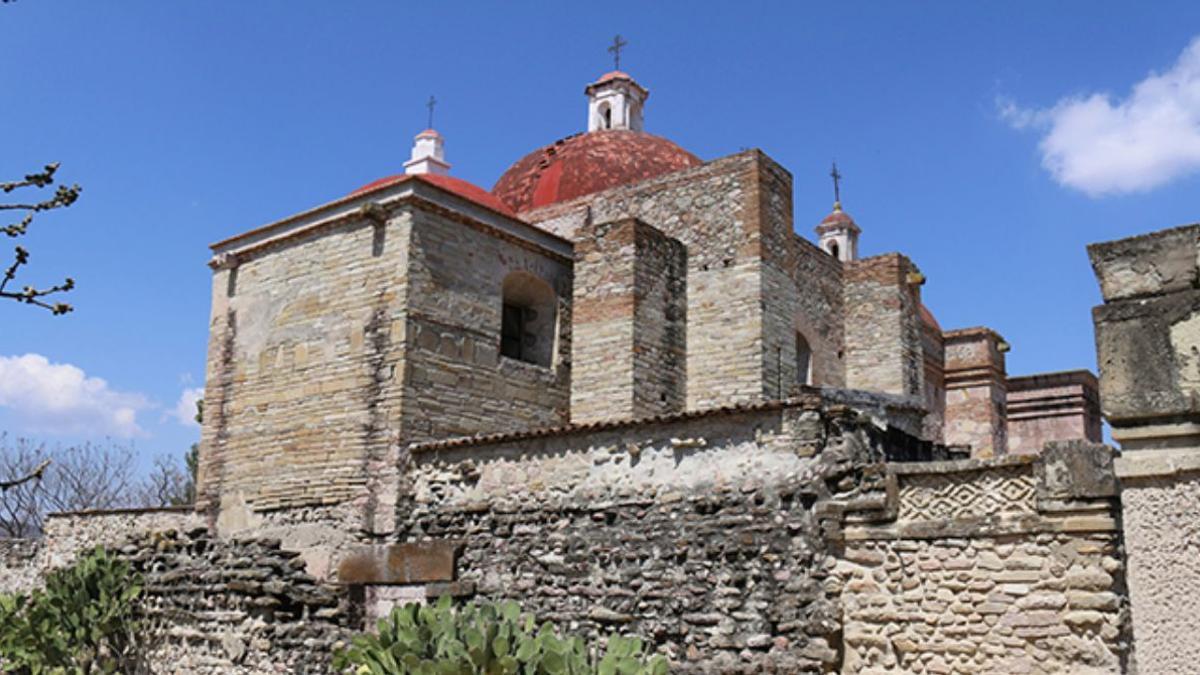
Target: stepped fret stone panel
[(943, 497)]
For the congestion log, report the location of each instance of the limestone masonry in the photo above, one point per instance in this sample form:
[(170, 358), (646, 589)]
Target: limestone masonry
[(620, 389)]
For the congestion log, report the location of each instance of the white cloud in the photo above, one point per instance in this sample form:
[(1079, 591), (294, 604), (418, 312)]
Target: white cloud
[(1101, 145), (60, 398), (185, 407)]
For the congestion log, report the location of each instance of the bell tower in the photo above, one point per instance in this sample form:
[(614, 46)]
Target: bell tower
[(838, 233), (615, 101)]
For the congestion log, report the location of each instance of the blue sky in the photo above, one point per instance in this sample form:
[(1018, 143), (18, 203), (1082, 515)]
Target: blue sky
[(989, 141)]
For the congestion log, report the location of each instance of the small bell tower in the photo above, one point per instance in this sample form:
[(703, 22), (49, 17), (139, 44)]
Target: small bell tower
[(838, 233), (615, 101), (429, 150)]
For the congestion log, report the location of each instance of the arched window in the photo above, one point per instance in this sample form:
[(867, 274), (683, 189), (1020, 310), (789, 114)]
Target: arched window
[(803, 360), (833, 249), (528, 320), (606, 113)]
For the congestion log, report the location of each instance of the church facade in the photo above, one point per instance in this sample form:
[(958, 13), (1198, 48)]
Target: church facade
[(607, 276)]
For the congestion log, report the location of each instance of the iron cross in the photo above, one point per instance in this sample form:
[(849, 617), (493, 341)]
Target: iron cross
[(615, 50), (430, 104), (837, 177)]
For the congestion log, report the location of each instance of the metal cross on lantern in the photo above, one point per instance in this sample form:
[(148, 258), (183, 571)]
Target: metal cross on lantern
[(430, 104), (837, 177), (617, 45)]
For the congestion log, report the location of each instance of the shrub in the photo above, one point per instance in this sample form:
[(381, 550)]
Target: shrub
[(82, 622), (487, 639)]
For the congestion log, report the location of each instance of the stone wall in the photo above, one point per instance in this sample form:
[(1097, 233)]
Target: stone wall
[(714, 210), (18, 564), (701, 531), (1147, 344), (1051, 407), (630, 323), (244, 607), (455, 381), (999, 566), (976, 398), (883, 325), (325, 327)]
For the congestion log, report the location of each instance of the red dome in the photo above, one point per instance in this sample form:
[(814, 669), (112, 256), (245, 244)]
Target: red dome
[(458, 186), (586, 163)]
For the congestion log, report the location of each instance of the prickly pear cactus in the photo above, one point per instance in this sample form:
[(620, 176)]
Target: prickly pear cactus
[(486, 639)]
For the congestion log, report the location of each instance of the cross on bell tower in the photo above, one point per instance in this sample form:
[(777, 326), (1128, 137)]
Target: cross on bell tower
[(617, 45), (838, 233), (615, 101)]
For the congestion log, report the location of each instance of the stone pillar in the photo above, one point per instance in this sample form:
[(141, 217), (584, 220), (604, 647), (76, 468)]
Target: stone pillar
[(1148, 348), (975, 391), (1052, 407), (629, 323), (883, 325)]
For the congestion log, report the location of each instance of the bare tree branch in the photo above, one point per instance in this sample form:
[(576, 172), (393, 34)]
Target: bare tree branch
[(36, 474), (63, 197)]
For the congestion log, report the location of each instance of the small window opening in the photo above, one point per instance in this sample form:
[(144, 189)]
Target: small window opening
[(608, 118), (833, 249), (803, 361), (527, 321), (516, 339)]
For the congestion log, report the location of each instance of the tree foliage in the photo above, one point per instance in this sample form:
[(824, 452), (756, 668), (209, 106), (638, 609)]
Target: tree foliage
[(63, 197), (82, 622), (487, 639)]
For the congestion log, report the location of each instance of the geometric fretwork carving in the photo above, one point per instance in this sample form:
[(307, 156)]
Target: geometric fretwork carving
[(968, 493)]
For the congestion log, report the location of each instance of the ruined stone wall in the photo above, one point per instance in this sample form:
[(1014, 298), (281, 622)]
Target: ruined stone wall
[(18, 564), (209, 606), (246, 607), (883, 326), (1002, 566), (630, 323), (715, 211), (698, 533), (1051, 407), (455, 380), (304, 364)]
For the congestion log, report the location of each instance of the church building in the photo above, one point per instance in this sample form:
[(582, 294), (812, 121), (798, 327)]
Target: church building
[(609, 276)]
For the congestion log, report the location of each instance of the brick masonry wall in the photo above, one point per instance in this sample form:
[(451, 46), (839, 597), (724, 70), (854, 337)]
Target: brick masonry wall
[(883, 326), (982, 567)]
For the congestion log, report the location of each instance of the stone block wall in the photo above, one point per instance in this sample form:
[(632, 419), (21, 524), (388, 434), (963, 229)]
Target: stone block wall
[(342, 332), (883, 325), (998, 566), (630, 323), (455, 380), (1148, 337), (975, 391), (304, 360), (1148, 350), (697, 531), (1051, 407), (715, 211), (933, 346)]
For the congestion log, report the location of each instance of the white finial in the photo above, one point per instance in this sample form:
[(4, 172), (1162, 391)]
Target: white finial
[(428, 154), (615, 101)]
